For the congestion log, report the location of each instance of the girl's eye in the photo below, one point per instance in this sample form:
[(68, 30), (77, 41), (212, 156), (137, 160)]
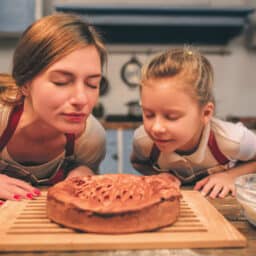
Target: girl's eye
[(172, 118), (148, 115)]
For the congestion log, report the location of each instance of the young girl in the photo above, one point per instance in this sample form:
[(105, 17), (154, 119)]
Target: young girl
[(47, 131), (180, 134)]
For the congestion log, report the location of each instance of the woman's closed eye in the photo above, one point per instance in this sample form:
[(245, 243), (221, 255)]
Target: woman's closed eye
[(61, 83), (93, 82)]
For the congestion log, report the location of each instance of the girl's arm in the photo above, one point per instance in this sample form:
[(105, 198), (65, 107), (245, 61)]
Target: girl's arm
[(143, 167), (80, 171), (222, 183), (146, 168)]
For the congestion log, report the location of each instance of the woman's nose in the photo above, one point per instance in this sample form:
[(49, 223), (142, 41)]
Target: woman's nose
[(80, 96)]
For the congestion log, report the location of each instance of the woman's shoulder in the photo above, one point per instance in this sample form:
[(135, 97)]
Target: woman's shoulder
[(5, 111), (94, 132)]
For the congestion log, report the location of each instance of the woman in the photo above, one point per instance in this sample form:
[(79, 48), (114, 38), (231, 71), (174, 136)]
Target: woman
[(47, 132)]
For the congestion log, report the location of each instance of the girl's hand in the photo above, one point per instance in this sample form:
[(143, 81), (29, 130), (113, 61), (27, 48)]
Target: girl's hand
[(15, 189), (80, 171), (217, 185)]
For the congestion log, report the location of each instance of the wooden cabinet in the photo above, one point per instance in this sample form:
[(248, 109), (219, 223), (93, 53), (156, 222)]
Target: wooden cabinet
[(16, 16), (119, 147)]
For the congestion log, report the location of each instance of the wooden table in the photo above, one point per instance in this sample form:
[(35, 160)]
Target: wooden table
[(228, 207)]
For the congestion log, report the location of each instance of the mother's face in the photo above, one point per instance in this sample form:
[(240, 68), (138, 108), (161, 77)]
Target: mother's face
[(64, 95)]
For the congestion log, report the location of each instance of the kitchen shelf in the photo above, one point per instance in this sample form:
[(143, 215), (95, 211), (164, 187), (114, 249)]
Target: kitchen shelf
[(164, 24)]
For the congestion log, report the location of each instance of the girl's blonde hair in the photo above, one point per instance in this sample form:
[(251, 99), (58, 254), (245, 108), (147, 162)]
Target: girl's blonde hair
[(186, 64), (43, 43)]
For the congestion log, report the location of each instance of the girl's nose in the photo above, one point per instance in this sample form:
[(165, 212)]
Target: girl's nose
[(158, 126)]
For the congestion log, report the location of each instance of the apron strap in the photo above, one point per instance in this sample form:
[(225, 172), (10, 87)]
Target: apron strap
[(12, 124), (62, 172), (70, 144), (154, 154), (215, 150)]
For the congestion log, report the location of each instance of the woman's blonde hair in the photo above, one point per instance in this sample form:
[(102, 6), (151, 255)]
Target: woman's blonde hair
[(185, 63), (43, 43)]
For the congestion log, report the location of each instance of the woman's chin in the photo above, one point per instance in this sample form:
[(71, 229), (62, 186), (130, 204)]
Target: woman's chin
[(74, 129)]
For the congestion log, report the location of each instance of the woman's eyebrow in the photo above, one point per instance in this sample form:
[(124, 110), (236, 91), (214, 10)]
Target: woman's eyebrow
[(95, 76), (62, 72)]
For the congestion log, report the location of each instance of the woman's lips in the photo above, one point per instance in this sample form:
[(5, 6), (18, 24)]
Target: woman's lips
[(74, 117)]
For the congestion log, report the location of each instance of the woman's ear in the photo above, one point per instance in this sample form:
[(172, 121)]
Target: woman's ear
[(25, 89), (207, 112)]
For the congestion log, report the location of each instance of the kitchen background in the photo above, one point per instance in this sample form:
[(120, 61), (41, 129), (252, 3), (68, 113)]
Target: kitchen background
[(225, 30)]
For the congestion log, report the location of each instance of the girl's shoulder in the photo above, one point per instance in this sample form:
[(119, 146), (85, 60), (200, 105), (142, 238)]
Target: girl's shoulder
[(228, 130), (142, 142), (234, 139)]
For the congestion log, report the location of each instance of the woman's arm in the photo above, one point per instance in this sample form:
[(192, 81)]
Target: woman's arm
[(223, 183), (15, 189)]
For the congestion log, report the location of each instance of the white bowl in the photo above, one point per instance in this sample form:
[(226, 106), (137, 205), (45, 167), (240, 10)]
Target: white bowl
[(245, 186)]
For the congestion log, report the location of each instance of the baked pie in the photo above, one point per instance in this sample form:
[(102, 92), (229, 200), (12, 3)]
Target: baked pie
[(115, 203)]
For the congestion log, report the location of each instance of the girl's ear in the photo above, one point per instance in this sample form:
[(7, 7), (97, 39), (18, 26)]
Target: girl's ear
[(207, 112)]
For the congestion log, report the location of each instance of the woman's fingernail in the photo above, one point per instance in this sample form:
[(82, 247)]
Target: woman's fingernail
[(29, 196), (17, 197), (203, 193), (37, 192)]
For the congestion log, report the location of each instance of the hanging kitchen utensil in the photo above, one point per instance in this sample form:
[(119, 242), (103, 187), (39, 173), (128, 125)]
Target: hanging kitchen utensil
[(134, 110), (130, 72), (98, 110), (104, 86)]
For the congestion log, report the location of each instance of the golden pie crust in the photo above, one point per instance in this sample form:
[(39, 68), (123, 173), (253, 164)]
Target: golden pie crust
[(115, 203)]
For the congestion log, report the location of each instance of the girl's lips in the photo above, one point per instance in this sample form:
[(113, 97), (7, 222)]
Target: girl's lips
[(157, 141)]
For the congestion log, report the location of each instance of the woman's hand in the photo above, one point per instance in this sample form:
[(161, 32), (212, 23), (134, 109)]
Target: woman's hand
[(15, 189), (217, 185)]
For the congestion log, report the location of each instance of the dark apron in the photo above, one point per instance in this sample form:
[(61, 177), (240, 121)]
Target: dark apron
[(185, 173), (21, 173)]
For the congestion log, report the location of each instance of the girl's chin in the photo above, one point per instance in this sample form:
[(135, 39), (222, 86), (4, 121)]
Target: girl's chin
[(165, 148)]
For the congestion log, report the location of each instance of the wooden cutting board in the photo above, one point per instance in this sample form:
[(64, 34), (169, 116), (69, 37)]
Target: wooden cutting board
[(25, 227)]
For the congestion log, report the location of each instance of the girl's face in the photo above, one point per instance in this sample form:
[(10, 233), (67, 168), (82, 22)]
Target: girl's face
[(63, 96), (171, 116)]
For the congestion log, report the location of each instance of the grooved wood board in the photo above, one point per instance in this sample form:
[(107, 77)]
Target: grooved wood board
[(24, 226)]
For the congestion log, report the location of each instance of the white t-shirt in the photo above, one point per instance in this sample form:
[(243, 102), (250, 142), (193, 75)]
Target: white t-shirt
[(235, 141), (90, 148)]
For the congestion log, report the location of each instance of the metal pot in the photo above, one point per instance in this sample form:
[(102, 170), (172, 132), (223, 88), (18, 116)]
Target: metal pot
[(104, 86), (134, 109)]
